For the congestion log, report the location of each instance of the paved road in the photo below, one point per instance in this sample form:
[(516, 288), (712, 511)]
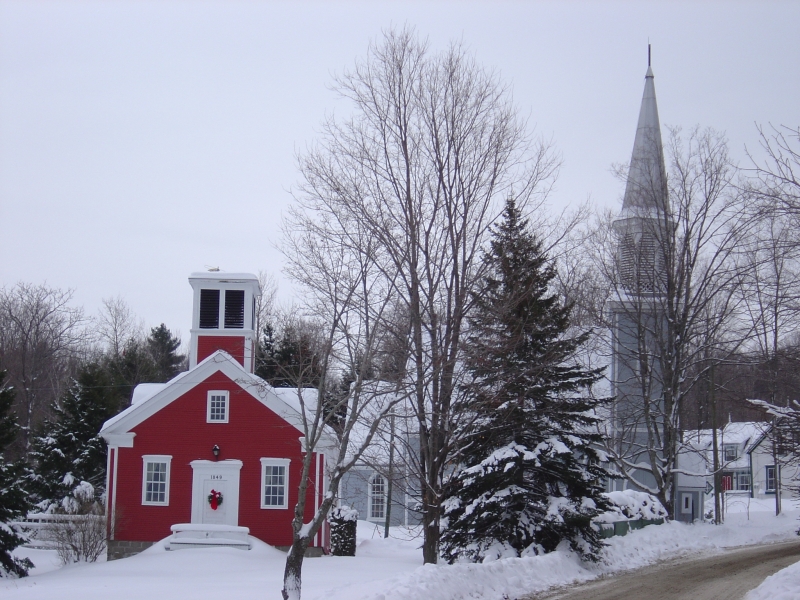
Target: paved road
[(727, 576)]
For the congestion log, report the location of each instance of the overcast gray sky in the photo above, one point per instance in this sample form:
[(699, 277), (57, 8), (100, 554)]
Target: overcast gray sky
[(141, 141)]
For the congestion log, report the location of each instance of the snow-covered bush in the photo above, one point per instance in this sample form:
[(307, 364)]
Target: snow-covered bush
[(79, 531), (343, 522), (631, 505)]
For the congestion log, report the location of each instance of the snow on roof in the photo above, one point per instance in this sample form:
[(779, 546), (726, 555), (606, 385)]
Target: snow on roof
[(143, 391), (292, 396), (405, 426), (744, 434), (223, 276)]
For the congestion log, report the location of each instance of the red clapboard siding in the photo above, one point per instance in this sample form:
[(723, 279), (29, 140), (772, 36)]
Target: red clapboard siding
[(180, 430), (208, 344)]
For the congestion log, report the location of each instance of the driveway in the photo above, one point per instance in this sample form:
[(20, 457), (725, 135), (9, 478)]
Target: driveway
[(726, 576)]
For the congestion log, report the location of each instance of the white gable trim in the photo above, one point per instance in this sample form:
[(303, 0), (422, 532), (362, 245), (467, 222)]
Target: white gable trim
[(120, 440), (219, 361)]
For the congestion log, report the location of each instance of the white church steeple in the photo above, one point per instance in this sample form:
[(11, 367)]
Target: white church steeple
[(646, 187), (644, 218)]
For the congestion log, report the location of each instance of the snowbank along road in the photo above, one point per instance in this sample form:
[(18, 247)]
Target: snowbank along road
[(725, 576)]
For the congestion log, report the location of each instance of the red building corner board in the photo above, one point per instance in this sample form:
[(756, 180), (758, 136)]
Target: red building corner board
[(216, 445)]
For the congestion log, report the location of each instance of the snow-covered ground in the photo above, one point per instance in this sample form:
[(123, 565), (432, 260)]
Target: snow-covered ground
[(387, 569), (783, 585)]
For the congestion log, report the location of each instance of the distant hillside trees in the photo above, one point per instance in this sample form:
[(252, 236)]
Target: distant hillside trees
[(41, 339), (289, 354)]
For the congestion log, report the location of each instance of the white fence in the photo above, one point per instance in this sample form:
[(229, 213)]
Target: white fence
[(39, 528)]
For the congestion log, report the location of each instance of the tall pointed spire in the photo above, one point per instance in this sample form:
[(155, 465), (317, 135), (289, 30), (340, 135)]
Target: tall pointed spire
[(644, 219), (646, 188)]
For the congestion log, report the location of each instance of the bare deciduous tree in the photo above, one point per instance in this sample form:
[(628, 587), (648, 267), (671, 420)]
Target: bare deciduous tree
[(265, 304), (117, 325), (770, 287), (347, 295), (432, 149), (40, 333), (776, 179), (673, 299)]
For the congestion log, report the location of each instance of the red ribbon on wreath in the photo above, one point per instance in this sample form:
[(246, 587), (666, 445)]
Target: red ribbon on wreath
[(215, 499)]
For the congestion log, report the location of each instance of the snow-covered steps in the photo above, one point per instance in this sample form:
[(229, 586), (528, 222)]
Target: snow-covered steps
[(199, 535)]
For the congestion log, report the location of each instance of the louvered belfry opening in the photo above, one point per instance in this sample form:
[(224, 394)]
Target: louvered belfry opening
[(641, 263), (209, 309), (234, 309)]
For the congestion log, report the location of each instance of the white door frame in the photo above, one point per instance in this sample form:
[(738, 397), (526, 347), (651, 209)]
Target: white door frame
[(207, 469)]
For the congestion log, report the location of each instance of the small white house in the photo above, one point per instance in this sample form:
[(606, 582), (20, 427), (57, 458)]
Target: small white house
[(751, 465)]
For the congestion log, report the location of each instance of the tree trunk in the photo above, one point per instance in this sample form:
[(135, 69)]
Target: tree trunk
[(718, 518), (430, 526), (776, 470), (292, 573), (391, 478)]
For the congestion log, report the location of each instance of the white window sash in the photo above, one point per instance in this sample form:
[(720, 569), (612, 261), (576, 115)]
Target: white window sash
[(226, 406), (377, 499), (275, 462), (155, 459)]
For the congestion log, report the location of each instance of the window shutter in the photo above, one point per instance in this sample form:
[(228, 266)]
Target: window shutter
[(234, 309), (209, 309)]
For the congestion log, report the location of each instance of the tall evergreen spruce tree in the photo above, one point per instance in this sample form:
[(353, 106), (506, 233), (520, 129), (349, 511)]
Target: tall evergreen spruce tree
[(14, 503), (154, 359), (69, 449), (163, 349), (529, 474)]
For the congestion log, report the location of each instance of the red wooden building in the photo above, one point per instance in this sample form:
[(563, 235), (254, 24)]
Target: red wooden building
[(217, 445)]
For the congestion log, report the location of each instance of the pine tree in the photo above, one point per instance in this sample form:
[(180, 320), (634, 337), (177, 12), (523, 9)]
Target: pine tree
[(134, 365), (529, 475), (291, 360), (14, 503), (154, 359), (69, 450), (163, 349), (266, 365)]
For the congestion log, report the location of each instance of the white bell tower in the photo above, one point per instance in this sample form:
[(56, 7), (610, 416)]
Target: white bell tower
[(224, 317)]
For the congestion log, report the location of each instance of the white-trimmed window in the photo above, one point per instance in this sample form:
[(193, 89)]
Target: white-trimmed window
[(274, 483), (218, 406), (743, 481), (770, 477), (377, 497), (155, 479)]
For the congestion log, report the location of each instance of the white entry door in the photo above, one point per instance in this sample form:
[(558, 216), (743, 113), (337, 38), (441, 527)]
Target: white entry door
[(215, 491)]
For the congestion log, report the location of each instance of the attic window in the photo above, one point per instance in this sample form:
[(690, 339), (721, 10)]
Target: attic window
[(209, 309), (731, 451), (234, 309), (217, 407)]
